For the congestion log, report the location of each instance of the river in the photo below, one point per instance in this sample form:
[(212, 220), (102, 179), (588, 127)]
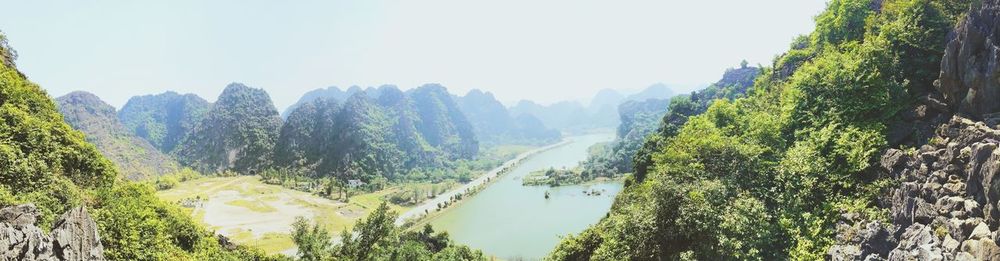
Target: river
[(509, 221)]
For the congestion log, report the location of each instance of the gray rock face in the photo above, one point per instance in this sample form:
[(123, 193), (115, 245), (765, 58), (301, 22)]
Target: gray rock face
[(946, 205), (970, 68), (73, 237)]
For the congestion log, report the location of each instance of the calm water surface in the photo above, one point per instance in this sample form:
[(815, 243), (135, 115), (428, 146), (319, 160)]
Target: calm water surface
[(508, 220)]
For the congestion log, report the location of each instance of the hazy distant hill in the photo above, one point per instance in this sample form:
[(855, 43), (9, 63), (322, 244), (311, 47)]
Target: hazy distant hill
[(601, 113), (238, 133), (163, 119), (655, 91), (495, 125), (135, 158), (328, 92), (377, 132)]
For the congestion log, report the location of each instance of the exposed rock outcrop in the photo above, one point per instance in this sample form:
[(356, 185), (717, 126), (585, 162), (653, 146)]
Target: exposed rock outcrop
[(73, 237), (945, 206), (970, 68)]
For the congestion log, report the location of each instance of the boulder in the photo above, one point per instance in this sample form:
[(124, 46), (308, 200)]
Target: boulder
[(917, 243), (970, 67)]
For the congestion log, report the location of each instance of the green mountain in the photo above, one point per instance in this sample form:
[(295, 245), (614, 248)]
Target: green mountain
[(238, 133), (442, 123), (134, 157), (329, 92), (164, 119), (793, 167), (384, 136), (47, 163), (494, 125)]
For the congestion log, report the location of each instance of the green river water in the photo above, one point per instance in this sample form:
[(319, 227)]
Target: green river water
[(511, 221)]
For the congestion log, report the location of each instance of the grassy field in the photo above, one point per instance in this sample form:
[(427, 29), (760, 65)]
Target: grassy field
[(253, 213)]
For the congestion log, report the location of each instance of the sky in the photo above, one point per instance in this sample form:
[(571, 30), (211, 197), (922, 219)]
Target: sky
[(541, 50)]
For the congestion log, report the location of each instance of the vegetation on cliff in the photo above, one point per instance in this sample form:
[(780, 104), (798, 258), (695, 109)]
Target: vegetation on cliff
[(163, 119), (386, 137), (238, 133), (765, 177)]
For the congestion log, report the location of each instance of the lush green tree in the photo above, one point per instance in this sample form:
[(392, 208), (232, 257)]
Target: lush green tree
[(312, 240), (765, 176)]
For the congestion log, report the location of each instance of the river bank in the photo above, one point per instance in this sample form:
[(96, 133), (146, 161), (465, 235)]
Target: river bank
[(511, 221), (440, 202)]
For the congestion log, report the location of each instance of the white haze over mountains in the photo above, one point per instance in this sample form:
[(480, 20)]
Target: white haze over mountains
[(547, 51)]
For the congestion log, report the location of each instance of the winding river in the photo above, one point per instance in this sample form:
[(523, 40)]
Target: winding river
[(511, 221)]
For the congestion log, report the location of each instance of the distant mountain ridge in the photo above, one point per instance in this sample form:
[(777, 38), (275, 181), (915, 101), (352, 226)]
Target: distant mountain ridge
[(601, 113), (135, 157), (377, 132), (495, 125)]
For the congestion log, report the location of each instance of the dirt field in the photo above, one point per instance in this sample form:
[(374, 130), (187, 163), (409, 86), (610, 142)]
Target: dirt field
[(257, 214)]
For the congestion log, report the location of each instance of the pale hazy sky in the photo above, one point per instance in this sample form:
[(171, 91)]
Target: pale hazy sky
[(541, 50)]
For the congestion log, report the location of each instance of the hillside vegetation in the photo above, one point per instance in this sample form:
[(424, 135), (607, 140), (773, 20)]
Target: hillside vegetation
[(766, 176), (135, 158), (639, 119), (45, 162)]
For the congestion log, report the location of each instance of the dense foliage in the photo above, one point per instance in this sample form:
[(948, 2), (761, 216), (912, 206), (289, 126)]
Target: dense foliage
[(238, 133), (764, 177), (384, 137), (45, 162), (378, 238), (164, 119), (134, 157), (639, 119), (494, 125)]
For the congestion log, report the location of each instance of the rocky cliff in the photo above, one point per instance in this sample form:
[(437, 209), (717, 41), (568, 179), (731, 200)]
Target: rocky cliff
[(73, 237), (970, 68), (946, 201)]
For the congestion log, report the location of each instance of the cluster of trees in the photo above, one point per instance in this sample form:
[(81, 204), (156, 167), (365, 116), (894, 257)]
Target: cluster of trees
[(766, 176), (553, 177), (378, 238), (45, 162)]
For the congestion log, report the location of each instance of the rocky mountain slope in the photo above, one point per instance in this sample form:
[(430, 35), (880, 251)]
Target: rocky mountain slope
[(163, 119), (946, 204), (238, 133), (134, 156)]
